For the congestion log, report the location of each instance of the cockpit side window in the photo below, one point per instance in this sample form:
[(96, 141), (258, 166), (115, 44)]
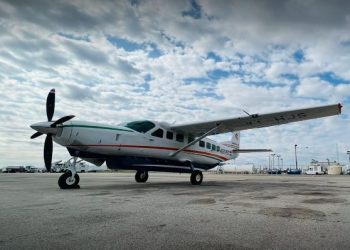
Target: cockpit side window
[(158, 133), (169, 135), (141, 126)]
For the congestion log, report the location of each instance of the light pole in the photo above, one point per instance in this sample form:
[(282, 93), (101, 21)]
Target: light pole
[(273, 160), (282, 163), (296, 159), (278, 161)]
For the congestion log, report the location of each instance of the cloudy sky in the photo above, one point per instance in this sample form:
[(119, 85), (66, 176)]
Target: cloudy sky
[(176, 61)]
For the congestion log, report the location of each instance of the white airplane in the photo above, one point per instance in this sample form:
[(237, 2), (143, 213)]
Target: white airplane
[(156, 146)]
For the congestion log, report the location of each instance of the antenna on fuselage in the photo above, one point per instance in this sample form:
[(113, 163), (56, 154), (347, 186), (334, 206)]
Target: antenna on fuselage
[(246, 112)]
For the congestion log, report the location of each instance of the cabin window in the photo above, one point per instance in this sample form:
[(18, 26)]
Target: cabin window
[(213, 147), (202, 144), (180, 137), (141, 126), (208, 145), (169, 135), (117, 137), (190, 138), (158, 133), (218, 148)]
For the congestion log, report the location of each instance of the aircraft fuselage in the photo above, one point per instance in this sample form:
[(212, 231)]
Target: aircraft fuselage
[(125, 148)]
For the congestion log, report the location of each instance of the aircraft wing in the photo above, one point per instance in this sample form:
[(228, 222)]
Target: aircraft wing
[(256, 120)]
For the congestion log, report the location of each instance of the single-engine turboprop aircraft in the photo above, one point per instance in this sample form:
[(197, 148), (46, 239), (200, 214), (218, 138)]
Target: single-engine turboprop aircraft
[(156, 146)]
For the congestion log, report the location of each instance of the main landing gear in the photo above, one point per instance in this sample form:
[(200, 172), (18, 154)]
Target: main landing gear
[(70, 179), (141, 176), (196, 177)]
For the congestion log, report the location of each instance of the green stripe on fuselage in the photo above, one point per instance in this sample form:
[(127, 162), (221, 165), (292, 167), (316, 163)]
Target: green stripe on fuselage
[(98, 127)]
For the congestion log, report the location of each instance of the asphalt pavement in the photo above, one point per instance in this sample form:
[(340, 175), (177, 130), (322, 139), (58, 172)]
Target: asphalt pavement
[(112, 211)]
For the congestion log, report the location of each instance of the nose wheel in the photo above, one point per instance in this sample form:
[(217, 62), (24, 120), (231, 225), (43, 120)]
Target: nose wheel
[(141, 176), (70, 178), (67, 181)]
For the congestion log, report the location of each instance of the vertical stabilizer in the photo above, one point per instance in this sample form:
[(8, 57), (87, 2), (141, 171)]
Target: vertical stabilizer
[(235, 139), (234, 143)]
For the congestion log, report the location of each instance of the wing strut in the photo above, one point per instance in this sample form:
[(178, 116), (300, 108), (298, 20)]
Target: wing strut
[(196, 140)]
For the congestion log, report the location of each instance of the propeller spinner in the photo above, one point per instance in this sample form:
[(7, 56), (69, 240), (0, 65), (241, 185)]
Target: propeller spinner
[(49, 128)]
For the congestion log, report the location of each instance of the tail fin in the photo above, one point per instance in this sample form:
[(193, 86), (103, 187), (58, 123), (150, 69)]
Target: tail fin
[(234, 143)]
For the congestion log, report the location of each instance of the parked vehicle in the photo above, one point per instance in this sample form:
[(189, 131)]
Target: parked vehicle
[(274, 171), (315, 169), (13, 169), (294, 171)]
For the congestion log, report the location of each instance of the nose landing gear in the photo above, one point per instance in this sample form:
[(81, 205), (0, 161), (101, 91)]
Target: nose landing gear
[(69, 179)]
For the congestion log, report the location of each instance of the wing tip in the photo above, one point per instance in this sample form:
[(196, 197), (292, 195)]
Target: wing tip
[(339, 107)]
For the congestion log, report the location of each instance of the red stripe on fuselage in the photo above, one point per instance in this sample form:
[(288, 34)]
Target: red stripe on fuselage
[(155, 147)]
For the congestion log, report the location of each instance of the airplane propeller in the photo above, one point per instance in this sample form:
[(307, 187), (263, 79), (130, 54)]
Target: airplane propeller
[(48, 128)]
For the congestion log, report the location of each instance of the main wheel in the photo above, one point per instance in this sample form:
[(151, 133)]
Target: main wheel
[(196, 177), (67, 181), (141, 176)]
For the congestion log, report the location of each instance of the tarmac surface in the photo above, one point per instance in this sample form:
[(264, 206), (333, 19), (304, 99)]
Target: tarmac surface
[(112, 211)]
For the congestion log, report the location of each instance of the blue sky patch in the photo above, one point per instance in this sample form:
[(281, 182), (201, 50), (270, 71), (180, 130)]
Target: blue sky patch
[(292, 77), (332, 78), (214, 56), (130, 46), (148, 77), (218, 74), (194, 12), (125, 44), (264, 84), (146, 86), (299, 56), (155, 52), (208, 92)]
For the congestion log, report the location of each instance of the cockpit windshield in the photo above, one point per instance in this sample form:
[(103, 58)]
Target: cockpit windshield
[(141, 126)]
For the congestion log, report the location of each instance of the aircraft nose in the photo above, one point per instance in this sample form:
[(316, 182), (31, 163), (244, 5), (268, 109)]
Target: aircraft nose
[(43, 127), (35, 126)]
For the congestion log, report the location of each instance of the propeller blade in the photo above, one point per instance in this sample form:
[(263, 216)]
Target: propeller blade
[(50, 104), (48, 152), (61, 120), (35, 135)]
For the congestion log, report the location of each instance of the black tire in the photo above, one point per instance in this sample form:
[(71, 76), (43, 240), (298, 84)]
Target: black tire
[(196, 177), (141, 176), (65, 183)]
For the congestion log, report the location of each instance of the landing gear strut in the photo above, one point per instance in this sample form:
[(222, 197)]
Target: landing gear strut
[(141, 176), (69, 179), (196, 177)]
